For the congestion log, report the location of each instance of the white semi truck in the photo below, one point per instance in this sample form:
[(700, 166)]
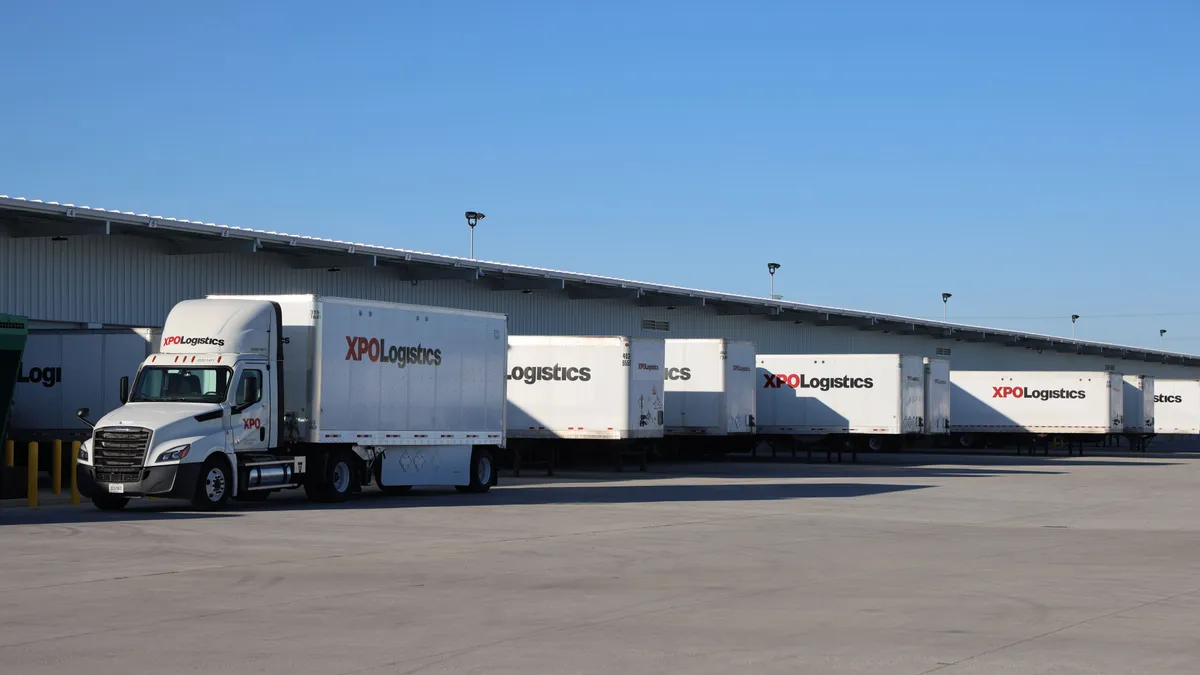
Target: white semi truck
[(256, 394)]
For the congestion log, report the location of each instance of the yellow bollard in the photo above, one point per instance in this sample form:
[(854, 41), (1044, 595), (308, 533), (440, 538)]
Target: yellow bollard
[(9, 455), (74, 472), (33, 474), (56, 467)]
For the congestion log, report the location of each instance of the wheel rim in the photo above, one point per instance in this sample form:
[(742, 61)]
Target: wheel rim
[(214, 484), (876, 444), (341, 477), (483, 471)]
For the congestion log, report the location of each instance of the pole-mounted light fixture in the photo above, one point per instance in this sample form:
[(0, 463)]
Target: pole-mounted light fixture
[(771, 267), (473, 218), (1074, 318), (945, 300)]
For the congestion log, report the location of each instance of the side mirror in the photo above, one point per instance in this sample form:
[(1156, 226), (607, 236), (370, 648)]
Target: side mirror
[(82, 414), (124, 389)]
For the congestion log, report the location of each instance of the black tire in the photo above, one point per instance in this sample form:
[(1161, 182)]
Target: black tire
[(333, 481), (387, 489), (877, 444), (483, 473), (107, 502), (213, 487)]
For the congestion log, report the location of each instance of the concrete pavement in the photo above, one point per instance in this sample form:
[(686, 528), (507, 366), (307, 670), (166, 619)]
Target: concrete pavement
[(901, 565)]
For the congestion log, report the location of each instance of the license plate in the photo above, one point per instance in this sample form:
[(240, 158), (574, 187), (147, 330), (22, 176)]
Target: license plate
[(116, 488)]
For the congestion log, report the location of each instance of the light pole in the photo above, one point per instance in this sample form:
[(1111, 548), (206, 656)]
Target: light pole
[(1161, 333), (1074, 318), (771, 267), (473, 218), (945, 299)]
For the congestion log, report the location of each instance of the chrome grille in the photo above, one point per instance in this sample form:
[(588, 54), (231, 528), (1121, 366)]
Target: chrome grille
[(121, 447), (109, 476)]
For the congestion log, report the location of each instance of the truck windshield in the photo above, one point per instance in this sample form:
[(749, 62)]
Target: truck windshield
[(198, 385)]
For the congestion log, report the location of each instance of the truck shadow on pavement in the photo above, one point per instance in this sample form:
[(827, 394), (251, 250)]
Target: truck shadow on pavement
[(517, 495), (160, 511)]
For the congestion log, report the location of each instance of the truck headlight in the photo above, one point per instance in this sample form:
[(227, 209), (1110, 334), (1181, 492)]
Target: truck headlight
[(83, 453), (174, 454)]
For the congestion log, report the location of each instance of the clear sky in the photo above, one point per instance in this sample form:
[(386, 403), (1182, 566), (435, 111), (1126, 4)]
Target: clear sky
[(1036, 159)]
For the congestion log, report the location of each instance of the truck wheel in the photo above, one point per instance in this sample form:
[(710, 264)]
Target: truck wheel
[(334, 481), (106, 502), (213, 488), (388, 489), (483, 473), (877, 444)]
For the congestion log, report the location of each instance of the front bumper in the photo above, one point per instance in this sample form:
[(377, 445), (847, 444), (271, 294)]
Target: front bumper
[(177, 480)]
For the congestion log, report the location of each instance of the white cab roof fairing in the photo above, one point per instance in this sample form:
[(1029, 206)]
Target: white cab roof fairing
[(220, 327)]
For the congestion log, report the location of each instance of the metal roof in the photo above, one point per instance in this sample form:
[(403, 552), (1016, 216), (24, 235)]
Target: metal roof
[(31, 217)]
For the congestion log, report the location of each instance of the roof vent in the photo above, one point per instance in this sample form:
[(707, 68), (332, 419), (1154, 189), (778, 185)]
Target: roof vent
[(651, 324), (943, 351)]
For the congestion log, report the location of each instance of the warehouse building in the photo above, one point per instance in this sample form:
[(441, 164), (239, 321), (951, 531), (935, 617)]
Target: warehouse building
[(71, 267)]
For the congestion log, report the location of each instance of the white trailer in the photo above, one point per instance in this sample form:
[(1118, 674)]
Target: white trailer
[(1137, 396), (1007, 405), (1176, 406), (585, 389), (937, 397), (876, 397), (64, 370), (710, 387), (254, 394)]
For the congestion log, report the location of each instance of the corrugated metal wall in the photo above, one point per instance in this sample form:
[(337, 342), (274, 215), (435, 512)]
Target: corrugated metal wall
[(127, 281)]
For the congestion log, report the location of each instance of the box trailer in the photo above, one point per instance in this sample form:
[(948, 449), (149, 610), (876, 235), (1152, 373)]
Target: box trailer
[(579, 395), (254, 394), (1137, 397), (875, 396), (710, 387), (937, 397), (597, 388), (1176, 406), (1059, 403), (64, 370), (13, 335)]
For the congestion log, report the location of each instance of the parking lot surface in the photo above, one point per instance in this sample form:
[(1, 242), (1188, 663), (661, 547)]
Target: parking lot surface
[(902, 564)]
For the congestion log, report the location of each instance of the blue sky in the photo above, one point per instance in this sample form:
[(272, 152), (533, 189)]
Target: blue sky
[(1036, 159)]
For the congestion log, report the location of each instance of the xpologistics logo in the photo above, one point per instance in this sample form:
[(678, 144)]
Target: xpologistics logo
[(192, 341), (376, 350), (555, 373), (649, 366), (1037, 394), (742, 369), (47, 377), (799, 381), (1158, 398)]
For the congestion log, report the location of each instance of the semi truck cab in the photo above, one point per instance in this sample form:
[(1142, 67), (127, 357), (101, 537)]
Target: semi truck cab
[(198, 412)]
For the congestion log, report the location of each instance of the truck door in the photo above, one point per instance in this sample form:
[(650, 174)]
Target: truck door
[(251, 409)]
